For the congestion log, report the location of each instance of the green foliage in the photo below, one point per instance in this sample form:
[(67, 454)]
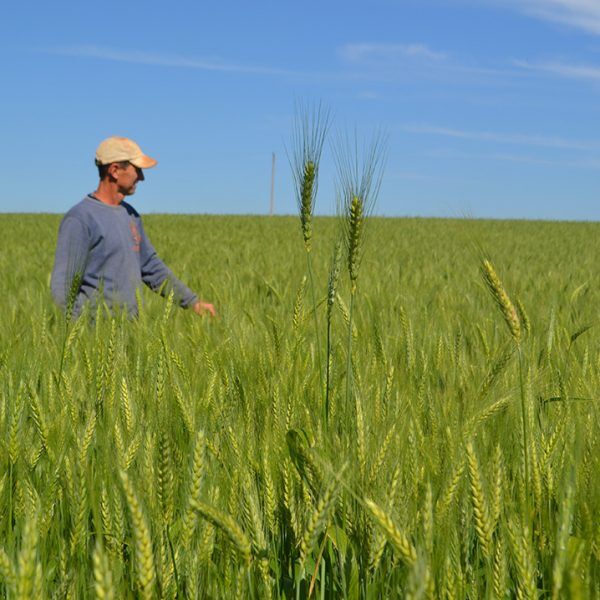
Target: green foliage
[(177, 457)]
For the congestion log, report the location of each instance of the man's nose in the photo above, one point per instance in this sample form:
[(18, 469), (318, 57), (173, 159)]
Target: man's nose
[(140, 175)]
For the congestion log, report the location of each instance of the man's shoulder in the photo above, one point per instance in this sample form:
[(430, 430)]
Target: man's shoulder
[(86, 213), (80, 210)]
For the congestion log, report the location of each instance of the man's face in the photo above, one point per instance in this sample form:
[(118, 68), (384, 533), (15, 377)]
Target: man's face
[(126, 178)]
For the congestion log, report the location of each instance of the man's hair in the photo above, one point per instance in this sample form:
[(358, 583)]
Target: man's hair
[(103, 169)]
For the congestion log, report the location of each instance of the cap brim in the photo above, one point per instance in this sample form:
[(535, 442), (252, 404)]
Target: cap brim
[(143, 162)]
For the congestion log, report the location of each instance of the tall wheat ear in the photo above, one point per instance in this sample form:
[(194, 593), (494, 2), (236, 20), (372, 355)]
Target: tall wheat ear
[(360, 167), (311, 125)]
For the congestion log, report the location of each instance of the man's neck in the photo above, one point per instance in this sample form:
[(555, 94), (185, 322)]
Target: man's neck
[(107, 192)]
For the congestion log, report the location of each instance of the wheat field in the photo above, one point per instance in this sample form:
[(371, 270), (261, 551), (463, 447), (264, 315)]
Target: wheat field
[(177, 457)]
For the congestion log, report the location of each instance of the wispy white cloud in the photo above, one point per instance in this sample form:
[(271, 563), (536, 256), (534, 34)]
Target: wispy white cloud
[(411, 175), (570, 71), (375, 63), (527, 159), (581, 14), (453, 154), (366, 52), (368, 95), (365, 62), (519, 139), (163, 60), (392, 63)]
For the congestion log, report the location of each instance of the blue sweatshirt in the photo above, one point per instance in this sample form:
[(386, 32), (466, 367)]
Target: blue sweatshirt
[(107, 248)]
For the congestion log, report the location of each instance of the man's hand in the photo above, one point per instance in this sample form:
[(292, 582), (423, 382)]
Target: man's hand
[(203, 308)]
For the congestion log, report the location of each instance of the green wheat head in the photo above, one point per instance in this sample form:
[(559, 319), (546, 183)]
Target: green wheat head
[(360, 171), (311, 125), (502, 299)]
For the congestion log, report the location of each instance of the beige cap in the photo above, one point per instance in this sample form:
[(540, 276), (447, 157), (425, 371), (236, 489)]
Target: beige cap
[(118, 149)]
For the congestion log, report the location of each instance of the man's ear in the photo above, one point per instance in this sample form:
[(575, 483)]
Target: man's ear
[(112, 171)]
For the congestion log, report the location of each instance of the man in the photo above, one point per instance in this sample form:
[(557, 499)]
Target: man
[(102, 249)]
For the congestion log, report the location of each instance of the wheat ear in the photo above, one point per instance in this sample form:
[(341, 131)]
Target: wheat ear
[(103, 582), (502, 299), (229, 527), (144, 555), (483, 522), (400, 542)]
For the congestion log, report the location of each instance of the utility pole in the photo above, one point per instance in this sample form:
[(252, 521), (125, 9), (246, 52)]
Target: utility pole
[(272, 205)]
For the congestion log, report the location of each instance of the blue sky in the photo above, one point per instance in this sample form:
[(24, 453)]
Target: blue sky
[(492, 107)]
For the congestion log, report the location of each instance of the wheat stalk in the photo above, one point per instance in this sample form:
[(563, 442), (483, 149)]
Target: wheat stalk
[(359, 180), (513, 323), (334, 274)]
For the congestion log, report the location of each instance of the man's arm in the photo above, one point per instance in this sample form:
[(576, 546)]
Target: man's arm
[(159, 278), (70, 259)]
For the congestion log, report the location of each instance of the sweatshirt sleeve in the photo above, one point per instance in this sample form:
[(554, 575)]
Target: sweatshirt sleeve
[(70, 259), (158, 277)]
